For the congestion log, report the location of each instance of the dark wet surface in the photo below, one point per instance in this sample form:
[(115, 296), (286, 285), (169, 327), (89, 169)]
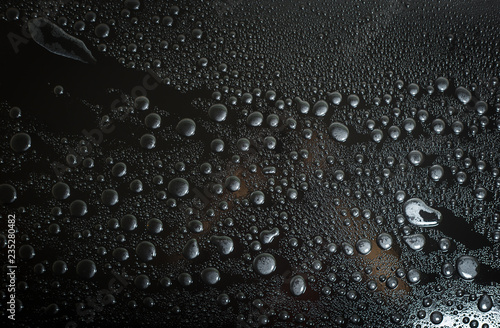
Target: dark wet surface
[(314, 201)]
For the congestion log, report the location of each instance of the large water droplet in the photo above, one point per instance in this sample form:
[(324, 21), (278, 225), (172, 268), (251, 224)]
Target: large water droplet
[(467, 267), (419, 214), (298, 285), (338, 131), (264, 264)]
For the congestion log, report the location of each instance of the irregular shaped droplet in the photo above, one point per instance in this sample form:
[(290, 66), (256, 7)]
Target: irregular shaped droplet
[(302, 106), (54, 39), (334, 97), (415, 242), (225, 244), (467, 267), (338, 131), (298, 285), (267, 236), (191, 249), (419, 214), (264, 264)]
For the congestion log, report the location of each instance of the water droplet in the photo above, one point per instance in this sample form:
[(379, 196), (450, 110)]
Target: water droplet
[(320, 108), (363, 246), (141, 103), (145, 251), (210, 276), (152, 121), (436, 317), (419, 214), (413, 276), (298, 285), (225, 245), (86, 269), (8, 193), (467, 267), (109, 197), (463, 95), (148, 141), (338, 131), (415, 242), (217, 112), (485, 303), (78, 208), (178, 187), (416, 157), (186, 127), (384, 241), (191, 249), (20, 142), (264, 264), (442, 84)]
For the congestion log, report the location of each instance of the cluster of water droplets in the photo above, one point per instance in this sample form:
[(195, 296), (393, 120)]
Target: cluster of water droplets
[(291, 193)]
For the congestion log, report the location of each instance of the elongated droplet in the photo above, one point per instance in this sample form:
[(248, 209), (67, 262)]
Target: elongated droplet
[(419, 214), (55, 40), (298, 285)]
